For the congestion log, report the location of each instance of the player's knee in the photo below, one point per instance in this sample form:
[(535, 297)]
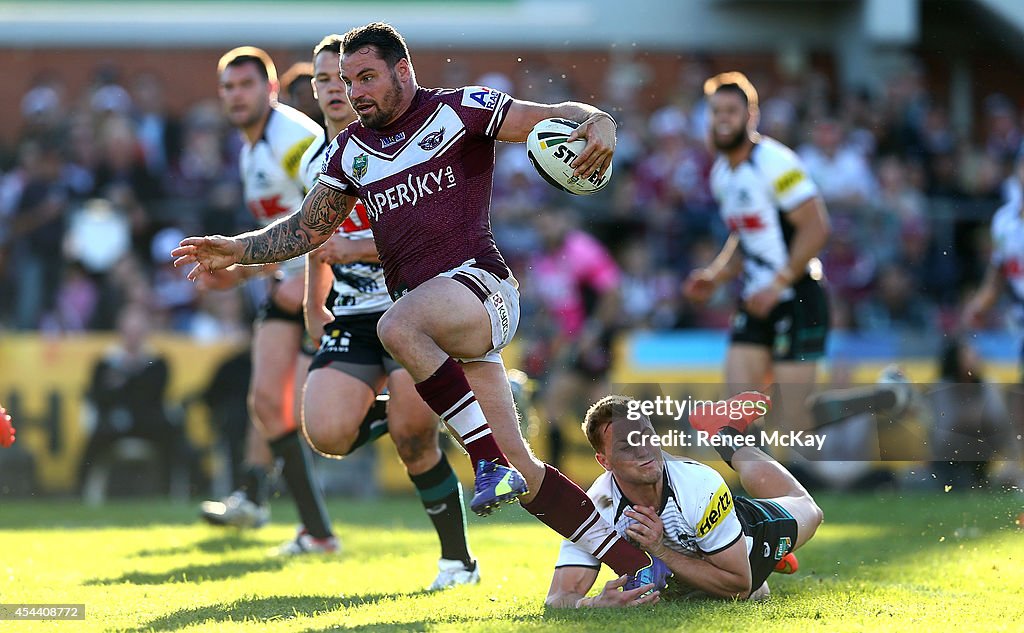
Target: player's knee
[(330, 440), (818, 514), (814, 515), (267, 406), (391, 332)]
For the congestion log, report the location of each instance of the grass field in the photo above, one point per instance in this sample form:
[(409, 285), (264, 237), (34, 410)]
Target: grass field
[(899, 562)]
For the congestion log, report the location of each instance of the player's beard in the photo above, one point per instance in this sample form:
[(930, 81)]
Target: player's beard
[(245, 120), (386, 108), (731, 143)]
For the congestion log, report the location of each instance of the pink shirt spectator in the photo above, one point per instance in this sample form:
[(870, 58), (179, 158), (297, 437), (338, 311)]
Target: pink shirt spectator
[(559, 278)]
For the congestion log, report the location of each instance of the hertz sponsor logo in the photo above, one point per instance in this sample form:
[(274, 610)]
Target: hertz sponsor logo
[(788, 180), (719, 508)]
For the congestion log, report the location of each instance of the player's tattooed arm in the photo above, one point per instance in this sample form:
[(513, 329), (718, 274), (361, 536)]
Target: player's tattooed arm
[(322, 211)]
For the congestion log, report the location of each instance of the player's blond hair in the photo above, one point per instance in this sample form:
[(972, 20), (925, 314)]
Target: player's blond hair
[(733, 81), (246, 55)]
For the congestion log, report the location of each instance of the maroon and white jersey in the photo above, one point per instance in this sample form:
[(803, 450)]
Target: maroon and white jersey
[(426, 183)]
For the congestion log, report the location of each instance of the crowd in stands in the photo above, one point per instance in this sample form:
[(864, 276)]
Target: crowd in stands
[(99, 186)]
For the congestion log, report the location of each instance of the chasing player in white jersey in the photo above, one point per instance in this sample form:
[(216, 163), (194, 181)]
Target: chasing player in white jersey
[(1006, 267), (345, 297), (683, 513), (275, 138), (778, 225)]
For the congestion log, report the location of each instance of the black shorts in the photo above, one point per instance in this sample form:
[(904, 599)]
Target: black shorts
[(773, 531), (350, 344), (794, 330), (269, 310)]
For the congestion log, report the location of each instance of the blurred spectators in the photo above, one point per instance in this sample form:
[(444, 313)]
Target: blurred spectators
[(897, 176)]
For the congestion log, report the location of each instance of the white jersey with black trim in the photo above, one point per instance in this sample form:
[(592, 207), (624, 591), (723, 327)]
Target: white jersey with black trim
[(1008, 249), (753, 199), (697, 510), (272, 183), (359, 287)]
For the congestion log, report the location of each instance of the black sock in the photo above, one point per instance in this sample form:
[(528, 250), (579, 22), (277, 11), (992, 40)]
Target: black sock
[(833, 407), (254, 484), (373, 425), (299, 476), (728, 449), (441, 494)]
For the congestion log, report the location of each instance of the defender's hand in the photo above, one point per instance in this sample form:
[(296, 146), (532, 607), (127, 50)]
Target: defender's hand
[(339, 250), (763, 301), (610, 596), (210, 253), (317, 320), (699, 286), (648, 531)]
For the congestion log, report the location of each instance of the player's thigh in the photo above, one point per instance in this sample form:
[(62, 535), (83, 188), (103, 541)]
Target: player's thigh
[(796, 381), (275, 348), (805, 512), (274, 352), (747, 366), (490, 384), (288, 292), (446, 311), (334, 405), (302, 362)]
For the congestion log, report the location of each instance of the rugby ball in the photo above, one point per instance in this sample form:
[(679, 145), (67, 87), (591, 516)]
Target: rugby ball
[(551, 153)]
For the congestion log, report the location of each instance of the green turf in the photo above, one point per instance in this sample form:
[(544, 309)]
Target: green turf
[(910, 562)]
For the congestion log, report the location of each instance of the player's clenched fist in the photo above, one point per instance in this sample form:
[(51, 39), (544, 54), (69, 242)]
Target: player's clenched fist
[(211, 253), (6, 429)]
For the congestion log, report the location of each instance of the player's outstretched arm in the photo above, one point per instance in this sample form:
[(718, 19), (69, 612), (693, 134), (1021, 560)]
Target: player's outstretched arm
[(322, 211), (984, 298), (728, 264), (314, 298), (596, 126), (569, 587)]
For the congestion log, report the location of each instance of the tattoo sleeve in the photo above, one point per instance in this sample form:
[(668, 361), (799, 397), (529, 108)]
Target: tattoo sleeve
[(322, 211)]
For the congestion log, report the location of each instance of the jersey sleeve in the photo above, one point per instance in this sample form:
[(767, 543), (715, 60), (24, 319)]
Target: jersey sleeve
[(482, 109), (332, 172), (309, 167), (787, 177), (717, 526)]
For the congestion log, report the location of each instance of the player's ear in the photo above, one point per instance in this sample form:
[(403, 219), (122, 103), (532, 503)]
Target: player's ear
[(312, 82), (601, 459), (403, 70)]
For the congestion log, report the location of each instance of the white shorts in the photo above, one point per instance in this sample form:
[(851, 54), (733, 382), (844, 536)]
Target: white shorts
[(501, 300)]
